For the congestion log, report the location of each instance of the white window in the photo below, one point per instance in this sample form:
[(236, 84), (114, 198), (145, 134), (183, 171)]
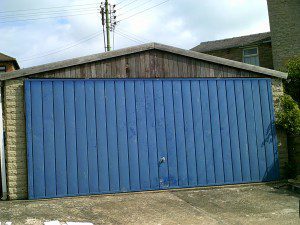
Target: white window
[(250, 56), (2, 69)]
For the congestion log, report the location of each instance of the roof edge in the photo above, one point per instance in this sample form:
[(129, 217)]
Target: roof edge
[(136, 49)]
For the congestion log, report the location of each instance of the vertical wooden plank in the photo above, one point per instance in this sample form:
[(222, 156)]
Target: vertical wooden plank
[(49, 145), (251, 132), (198, 130), (114, 68), (241, 116), (93, 70), (123, 66), (108, 71), (131, 68), (132, 136), (71, 137), (102, 137), (234, 132), (180, 138), (60, 144), (189, 133), (199, 68), (142, 134), (142, 72), (37, 140), (122, 136), (225, 133), (267, 125), (29, 139), (91, 137), (216, 134), (67, 72), (165, 62), (207, 134), (205, 71), (161, 134), (175, 69), (88, 70), (152, 64), (159, 65), (147, 64), (170, 133), (260, 145), (151, 131), (180, 66), (81, 137), (73, 72), (185, 67), (112, 136), (137, 65)]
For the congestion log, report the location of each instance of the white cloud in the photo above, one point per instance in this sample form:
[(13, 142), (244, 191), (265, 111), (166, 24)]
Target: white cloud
[(180, 23)]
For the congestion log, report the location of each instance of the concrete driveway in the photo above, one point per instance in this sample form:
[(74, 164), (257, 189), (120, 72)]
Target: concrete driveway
[(257, 204)]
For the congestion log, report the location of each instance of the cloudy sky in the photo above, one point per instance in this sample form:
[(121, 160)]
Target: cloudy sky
[(75, 29)]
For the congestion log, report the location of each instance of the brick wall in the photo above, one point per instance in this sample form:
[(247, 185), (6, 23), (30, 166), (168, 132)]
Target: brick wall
[(236, 54), (14, 115), (284, 18)]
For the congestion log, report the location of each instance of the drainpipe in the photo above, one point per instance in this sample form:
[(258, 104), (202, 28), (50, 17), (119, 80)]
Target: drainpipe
[(2, 151)]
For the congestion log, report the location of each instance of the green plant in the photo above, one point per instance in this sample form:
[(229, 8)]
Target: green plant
[(292, 84), (288, 116)]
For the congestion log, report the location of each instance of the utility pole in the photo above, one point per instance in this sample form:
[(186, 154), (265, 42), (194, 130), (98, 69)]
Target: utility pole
[(108, 19), (107, 25)]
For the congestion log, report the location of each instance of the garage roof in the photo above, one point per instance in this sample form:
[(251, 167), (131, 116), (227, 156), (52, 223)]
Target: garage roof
[(137, 49)]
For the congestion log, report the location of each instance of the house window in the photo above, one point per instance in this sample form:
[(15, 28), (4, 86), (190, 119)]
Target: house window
[(2, 69), (250, 56)]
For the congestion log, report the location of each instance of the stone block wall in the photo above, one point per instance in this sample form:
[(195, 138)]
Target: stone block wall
[(15, 139)]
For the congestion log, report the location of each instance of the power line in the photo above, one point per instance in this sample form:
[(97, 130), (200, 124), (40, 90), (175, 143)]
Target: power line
[(48, 13), (143, 11), (55, 7), (138, 6), (85, 39), (119, 3), (134, 35), (42, 18), (130, 38), (128, 4)]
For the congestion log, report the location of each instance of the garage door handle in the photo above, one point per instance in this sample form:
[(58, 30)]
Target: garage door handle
[(162, 160)]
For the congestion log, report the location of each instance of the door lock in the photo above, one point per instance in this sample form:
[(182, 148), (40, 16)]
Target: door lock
[(162, 160)]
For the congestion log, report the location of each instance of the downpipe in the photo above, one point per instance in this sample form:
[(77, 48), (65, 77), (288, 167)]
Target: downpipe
[(2, 151)]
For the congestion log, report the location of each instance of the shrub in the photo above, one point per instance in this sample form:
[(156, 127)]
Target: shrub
[(288, 116), (292, 84)]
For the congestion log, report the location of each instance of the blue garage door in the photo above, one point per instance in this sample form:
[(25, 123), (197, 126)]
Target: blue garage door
[(107, 136)]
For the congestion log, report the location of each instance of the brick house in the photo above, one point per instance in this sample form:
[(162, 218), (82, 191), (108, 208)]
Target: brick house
[(7, 63), (271, 49), (254, 49)]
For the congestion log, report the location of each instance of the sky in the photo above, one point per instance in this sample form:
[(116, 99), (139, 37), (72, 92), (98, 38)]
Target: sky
[(75, 28)]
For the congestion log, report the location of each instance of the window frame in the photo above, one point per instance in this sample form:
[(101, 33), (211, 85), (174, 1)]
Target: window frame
[(251, 55), (5, 69)]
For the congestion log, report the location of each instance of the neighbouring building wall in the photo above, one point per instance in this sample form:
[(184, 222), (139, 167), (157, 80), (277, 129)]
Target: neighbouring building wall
[(9, 66), (236, 54), (284, 18), (156, 65)]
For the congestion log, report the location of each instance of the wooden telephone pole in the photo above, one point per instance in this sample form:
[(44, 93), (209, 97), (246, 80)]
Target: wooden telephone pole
[(108, 22)]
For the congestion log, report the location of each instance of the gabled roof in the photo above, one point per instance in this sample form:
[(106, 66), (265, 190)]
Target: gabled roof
[(136, 49), (232, 42), (6, 58)]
